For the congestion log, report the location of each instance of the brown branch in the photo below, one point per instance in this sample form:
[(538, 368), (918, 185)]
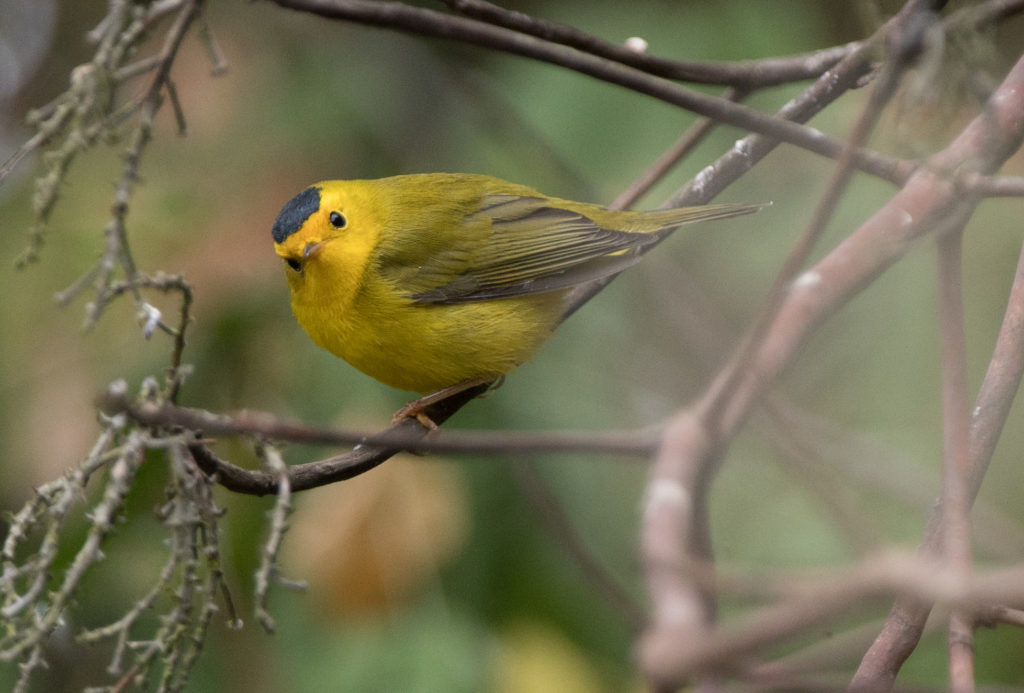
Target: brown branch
[(994, 186), (398, 16), (676, 529), (744, 74), (750, 150), (370, 450), (992, 615), (928, 204), (901, 48), (956, 431), (679, 150), (799, 602), (637, 443), (902, 630)]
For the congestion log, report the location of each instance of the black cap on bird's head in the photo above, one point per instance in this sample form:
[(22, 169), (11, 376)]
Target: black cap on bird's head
[(295, 212)]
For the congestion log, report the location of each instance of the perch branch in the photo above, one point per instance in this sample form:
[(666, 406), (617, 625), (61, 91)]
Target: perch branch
[(370, 450)]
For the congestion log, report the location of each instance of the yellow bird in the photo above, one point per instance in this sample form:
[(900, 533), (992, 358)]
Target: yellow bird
[(439, 282)]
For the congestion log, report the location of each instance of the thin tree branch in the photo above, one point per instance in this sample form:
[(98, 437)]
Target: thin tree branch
[(679, 150), (992, 615), (398, 16), (744, 74), (370, 450), (928, 204), (901, 49), (752, 149), (638, 443), (800, 602), (994, 186), (676, 531), (956, 432), (902, 630)]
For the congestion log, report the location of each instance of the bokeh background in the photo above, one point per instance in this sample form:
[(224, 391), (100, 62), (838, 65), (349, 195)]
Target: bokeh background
[(432, 574)]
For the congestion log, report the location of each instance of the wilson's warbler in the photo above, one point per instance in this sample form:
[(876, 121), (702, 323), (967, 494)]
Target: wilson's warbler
[(438, 282)]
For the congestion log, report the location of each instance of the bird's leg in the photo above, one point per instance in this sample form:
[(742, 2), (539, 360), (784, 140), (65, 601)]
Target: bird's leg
[(414, 409)]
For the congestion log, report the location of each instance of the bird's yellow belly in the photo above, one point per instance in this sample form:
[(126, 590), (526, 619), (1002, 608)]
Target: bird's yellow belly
[(425, 347)]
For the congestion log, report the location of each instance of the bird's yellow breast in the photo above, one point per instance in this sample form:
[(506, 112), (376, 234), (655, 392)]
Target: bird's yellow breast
[(416, 346)]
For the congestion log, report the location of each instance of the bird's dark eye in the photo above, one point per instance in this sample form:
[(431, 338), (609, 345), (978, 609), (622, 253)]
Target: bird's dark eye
[(293, 263), (338, 220)]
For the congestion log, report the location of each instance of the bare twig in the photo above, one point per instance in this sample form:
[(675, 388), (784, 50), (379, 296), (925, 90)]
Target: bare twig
[(638, 443), (686, 143), (750, 150), (801, 602), (395, 15), (956, 431), (676, 531), (992, 615), (902, 630), (267, 572), (901, 48), (928, 204), (747, 74)]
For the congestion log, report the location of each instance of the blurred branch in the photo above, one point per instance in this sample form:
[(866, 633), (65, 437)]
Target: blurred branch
[(268, 570), (676, 532), (901, 48), (994, 186), (800, 603), (902, 630), (1001, 614), (956, 530), (395, 15), (679, 150), (937, 196), (928, 204)]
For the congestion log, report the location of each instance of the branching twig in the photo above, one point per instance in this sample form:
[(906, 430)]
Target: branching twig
[(39, 615), (938, 197), (748, 74), (956, 431), (395, 15), (802, 602), (405, 437), (686, 143), (903, 628), (268, 571), (928, 204), (885, 85)]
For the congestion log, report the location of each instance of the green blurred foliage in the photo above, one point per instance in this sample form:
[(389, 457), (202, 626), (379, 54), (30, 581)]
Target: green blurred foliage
[(307, 99)]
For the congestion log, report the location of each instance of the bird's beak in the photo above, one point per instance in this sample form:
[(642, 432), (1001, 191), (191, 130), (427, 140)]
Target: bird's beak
[(313, 249)]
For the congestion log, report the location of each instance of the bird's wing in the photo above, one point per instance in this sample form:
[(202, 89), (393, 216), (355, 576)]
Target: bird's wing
[(522, 245)]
